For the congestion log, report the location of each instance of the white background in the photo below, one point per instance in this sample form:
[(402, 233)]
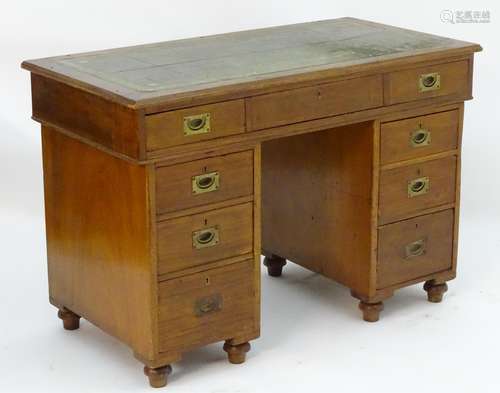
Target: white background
[(312, 336)]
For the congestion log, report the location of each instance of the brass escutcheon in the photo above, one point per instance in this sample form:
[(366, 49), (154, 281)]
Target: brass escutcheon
[(418, 187), (429, 82), (207, 237), (197, 124), (205, 182), (415, 248)]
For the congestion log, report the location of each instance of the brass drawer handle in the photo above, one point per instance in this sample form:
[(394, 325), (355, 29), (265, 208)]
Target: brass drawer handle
[(204, 238), (206, 182), (418, 187), (416, 248), (207, 305), (420, 137), (197, 124), (428, 82)]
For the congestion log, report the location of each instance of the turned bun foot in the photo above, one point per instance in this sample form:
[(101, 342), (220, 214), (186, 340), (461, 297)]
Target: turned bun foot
[(371, 311), (435, 291), (157, 376), (274, 265), (236, 353), (71, 321)]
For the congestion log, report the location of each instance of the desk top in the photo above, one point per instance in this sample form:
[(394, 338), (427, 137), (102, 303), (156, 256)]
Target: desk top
[(140, 75)]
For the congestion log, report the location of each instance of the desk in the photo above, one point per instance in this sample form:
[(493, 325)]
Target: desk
[(169, 167)]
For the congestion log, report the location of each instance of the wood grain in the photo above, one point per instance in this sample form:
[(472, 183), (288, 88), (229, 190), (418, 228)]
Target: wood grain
[(293, 106), (86, 115), (166, 129), (97, 222), (183, 328), (317, 202), (395, 136), (403, 86), (174, 183), (393, 264), (394, 202), (175, 244)]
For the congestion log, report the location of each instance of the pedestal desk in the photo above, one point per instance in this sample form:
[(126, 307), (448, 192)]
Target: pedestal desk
[(169, 168)]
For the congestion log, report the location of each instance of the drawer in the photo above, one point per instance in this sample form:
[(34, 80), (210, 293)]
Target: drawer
[(207, 307), (419, 136), (409, 189), (200, 238), (426, 82), (293, 106), (415, 248), (194, 124), (206, 181)]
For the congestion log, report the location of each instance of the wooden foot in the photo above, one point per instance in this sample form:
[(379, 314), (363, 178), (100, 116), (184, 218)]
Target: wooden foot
[(371, 311), (435, 291), (274, 265), (157, 376), (71, 321), (236, 353)]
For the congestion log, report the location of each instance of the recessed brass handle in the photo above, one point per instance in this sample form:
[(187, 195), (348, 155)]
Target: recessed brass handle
[(197, 124), (206, 182), (208, 304), (428, 82), (415, 248), (207, 237), (418, 187), (420, 137)]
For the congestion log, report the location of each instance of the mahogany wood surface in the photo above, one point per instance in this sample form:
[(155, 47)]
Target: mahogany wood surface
[(174, 189), (396, 204), (310, 140), (96, 212), (175, 237), (395, 136)]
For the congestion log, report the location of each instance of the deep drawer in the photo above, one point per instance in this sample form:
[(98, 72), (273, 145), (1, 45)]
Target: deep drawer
[(293, 106), (426, 82), (202, 182), (194, 124), (409, 189), (415, 248), (419, 136), (206, 307), (200, 238)]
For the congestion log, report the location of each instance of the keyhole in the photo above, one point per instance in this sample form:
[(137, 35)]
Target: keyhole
[(207, 281)]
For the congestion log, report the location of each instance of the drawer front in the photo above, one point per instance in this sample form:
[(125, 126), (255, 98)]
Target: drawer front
[(204, 181), (414, 248), (200, 238), (293, 106), (207, 307), (419, 136), (409, 189), (195, 124), (429, 81)]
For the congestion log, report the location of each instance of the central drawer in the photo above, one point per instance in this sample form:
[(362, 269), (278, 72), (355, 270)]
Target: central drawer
[(200, 238), (293, 106), (207, 307)]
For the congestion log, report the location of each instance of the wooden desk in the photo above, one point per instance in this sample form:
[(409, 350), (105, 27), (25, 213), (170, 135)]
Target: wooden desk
[(340, 139)]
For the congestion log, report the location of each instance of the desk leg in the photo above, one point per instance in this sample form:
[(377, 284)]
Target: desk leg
[(371, 311), (157, 376), (236, 354), (435, 290), (71, 321), (274, 264)]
